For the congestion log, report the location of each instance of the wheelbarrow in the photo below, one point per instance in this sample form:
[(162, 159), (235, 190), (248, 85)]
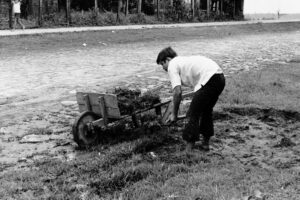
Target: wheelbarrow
[(98, 110)]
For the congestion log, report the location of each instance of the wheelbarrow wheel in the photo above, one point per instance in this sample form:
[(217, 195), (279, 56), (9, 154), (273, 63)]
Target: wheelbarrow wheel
[(85, 135)]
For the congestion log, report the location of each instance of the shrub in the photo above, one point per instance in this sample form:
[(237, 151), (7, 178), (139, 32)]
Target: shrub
[(137, 18), (140, 18), (54, 19), (87, 18), (96, 18), (93, 18), (123, 19), (179, 12), (110, 18)]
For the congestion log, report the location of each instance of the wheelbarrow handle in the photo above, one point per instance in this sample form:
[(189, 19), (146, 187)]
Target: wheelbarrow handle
[(188, 94)]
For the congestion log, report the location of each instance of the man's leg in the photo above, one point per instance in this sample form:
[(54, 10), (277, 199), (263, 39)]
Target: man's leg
[(206, 128), (15, 22), (201, 108), (19, 22), (192, 129), (190, 133), (215, 88)]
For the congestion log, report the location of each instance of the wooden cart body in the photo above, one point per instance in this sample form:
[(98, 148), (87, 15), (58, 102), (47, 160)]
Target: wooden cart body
[(104, 105)]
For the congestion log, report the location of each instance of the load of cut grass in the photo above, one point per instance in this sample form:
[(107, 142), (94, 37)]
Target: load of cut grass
[(131, 100)]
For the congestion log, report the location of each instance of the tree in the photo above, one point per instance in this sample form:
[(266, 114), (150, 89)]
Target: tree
[(193, 7), (119, 9), (40, 20), (157, 8), (126, 7), (68, 11), (139, 6), (96, 5), (10, 16)]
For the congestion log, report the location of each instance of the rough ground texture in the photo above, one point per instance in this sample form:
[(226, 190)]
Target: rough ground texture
[(41, 74)]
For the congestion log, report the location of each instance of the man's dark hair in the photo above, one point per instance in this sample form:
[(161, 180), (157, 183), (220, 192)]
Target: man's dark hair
[(164, 54)]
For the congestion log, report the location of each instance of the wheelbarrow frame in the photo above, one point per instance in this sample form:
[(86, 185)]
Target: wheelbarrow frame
[(100, 109)]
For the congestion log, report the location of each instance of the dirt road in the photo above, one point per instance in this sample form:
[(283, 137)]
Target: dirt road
[(37, 90)]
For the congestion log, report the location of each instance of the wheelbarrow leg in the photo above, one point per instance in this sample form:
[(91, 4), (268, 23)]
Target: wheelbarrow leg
[(134, 120), (103, 110), (87, 102), (158, 111)]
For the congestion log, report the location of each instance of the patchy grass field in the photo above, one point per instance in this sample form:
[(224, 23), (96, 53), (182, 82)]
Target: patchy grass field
[(255, 153)]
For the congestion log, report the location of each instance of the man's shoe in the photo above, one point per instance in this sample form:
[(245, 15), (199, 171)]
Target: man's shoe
[(204, 147), (205, 144)]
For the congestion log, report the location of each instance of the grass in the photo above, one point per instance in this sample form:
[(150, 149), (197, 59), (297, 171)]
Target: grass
[(153, 166), (277, 88), (135, 178)]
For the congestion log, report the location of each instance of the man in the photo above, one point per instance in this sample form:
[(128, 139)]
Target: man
[(207, 80), (16, 7)]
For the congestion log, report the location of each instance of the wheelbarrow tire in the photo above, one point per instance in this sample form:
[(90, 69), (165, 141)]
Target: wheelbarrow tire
[(81, 133)]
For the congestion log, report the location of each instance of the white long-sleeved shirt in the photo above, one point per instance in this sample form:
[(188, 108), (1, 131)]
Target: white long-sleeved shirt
[(192, 71)]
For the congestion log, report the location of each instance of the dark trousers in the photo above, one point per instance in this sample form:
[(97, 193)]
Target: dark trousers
[(200, 111)]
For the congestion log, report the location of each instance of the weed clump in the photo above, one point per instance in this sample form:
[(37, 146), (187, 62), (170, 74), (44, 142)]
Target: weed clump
[(285, 142), (120, 179)]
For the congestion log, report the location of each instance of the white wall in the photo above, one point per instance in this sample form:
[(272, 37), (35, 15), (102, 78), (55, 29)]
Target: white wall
[(271, 6)]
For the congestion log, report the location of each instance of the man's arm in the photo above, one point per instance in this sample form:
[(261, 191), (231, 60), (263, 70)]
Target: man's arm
[(177, 93)]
